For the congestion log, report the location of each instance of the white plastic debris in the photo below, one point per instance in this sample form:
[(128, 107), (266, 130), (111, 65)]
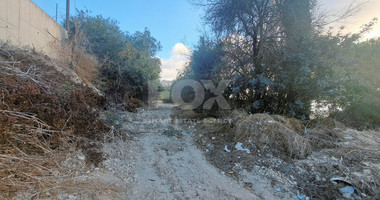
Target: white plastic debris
[(239, 146), (349, 190), (226, 149)]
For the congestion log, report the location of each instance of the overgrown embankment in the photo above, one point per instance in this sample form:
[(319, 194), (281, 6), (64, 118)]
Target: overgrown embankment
[(44, 117)]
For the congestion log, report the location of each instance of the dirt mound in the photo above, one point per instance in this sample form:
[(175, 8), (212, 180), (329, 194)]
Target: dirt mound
[(271, 134)]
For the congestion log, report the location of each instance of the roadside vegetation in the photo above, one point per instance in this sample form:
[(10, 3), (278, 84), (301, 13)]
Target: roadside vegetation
[(299, 93), (305, 102), (127, 61), (53, 122), (47, 115), (282, 58)]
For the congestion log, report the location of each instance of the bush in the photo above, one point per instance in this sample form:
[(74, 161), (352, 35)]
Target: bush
[(128, 60), (361, 115)]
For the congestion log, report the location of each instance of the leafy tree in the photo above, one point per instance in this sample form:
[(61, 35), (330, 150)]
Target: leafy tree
[(275, 54), (128, 61), (361, 102), (104, 37)]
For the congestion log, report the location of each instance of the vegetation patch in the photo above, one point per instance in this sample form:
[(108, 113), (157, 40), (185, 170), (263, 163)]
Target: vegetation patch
[(272, 134), (44, 117), (275, 147)]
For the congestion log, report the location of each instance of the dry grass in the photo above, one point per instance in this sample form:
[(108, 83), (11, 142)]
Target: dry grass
[(44, 119), (73, 58), (357, 158), (291, 123), (131, 104), (87, 67), (30, 154), (269, 134), (325, 122), (328, 150), (236, 115), (324, 137)]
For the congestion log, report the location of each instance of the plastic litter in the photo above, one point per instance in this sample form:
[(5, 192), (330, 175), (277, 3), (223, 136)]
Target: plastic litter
[(301, 197), (226, 149), (239, 146), (347, 190)]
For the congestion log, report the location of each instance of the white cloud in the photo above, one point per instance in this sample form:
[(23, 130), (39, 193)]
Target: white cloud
[(180, 55)]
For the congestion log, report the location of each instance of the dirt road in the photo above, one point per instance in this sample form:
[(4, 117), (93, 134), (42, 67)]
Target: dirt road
[(166, 166)]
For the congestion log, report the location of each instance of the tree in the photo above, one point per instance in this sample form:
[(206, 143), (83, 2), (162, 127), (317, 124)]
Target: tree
[(361, 102), (128, 61), (275, 54)]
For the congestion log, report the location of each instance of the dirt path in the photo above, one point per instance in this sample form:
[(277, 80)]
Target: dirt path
[(160, 166)]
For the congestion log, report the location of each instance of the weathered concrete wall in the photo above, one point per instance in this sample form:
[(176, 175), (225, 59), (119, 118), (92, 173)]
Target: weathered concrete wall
[(23, 23)]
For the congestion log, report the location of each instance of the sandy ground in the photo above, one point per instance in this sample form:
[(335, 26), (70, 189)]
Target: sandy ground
[(168, 166)]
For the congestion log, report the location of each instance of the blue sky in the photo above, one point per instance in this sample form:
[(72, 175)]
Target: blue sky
[(170, 21)]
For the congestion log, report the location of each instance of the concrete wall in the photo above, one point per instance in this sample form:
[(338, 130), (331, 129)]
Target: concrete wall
[(23, 23)]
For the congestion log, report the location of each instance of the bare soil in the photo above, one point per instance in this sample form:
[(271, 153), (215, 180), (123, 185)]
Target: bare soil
[(162, 161)]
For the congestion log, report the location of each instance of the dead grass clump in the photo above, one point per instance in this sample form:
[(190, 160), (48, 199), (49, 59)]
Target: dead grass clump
[(42, 116), (132, 104), (357, 154), (30, 153), (360, 166), (237, 115), (72, 58), (31, 85), (270, 135), (87, 67), (291, 123), (323, 138), (324, 122)]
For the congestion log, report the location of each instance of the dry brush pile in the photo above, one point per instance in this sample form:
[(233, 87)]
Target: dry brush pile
[(44, 116)]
